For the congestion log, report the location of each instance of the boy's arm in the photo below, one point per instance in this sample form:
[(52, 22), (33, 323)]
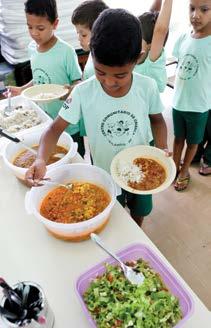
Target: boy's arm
[(160, 30), (16, 91), (50, 137), (156, 5), (159, 130), (70, 88), (48, 142)]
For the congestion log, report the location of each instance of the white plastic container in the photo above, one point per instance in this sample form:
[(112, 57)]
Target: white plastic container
[(26, 103), (67, 173), (11, 149), (21, 101)]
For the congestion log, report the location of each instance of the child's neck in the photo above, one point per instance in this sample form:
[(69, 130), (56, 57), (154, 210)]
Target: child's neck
[(48, 45), (121, 92), (201, 34)]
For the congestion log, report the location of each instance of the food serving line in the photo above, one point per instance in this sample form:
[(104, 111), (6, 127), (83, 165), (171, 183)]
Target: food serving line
[(30, 253)]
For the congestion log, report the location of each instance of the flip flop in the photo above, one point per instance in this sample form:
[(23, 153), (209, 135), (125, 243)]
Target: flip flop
[(205, 169), (181, 183)]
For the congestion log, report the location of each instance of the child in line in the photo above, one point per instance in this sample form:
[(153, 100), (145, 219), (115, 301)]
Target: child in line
[(119, 107), (155, 27), (83, 18), (203, 154), (52, 59), (192, 97)]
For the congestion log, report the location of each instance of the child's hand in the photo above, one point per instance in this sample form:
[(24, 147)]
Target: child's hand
[(15, 91), (70, 88), (35, 173), (167, 152)]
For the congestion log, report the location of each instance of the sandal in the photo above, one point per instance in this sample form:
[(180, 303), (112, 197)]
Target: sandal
[(205, 169), (181, 183)]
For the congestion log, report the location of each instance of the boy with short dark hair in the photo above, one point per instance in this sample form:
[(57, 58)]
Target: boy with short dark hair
[(83, 18), (114, 97), (52, 59)]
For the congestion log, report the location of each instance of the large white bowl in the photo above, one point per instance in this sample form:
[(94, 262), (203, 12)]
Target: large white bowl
[(67, 173), (11, 149), (129, 154)]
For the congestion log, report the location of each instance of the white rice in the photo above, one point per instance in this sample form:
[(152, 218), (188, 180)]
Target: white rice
[(20, 118), (129, 172), (46, 95)]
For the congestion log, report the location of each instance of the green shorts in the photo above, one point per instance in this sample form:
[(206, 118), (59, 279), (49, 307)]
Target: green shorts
[(189, 125), (139, 205)]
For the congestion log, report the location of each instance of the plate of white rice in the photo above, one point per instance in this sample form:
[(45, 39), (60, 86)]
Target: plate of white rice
[(44, 93), (125, 172)]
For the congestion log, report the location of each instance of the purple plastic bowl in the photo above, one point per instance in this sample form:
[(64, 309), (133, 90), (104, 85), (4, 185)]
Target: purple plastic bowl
[(134, 252)]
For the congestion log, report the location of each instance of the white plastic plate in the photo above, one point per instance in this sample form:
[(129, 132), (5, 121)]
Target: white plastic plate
[(129, 154)]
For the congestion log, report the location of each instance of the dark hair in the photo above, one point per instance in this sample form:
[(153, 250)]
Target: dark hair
[(116, 38), (148, 20), (87, 12), (43, 8)]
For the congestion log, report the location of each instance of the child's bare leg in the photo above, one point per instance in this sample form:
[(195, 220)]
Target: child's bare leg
[(138, 219), (177, 151), (189, 155)]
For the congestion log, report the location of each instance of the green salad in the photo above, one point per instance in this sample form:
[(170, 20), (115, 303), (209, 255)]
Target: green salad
[(114, 302)]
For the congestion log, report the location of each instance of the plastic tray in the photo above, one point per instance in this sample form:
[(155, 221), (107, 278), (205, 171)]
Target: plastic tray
[(134, 252)]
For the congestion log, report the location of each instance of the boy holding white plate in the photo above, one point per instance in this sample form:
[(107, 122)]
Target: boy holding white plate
[(53, 61), (120, 108)]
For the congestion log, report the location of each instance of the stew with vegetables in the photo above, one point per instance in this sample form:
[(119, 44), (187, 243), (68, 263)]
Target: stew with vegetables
[(80, 203), (154, 174)]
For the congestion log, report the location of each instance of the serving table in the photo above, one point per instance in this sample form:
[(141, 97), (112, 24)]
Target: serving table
[(28, 252)]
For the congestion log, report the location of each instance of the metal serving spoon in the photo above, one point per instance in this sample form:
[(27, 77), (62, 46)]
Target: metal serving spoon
[(136, 278), (8, 109), (58, 184)]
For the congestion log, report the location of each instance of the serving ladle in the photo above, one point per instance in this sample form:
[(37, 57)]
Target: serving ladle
[(17, 140), (136, 278)]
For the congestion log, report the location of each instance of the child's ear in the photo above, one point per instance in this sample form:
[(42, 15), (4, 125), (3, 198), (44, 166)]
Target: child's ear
[(141, 56), (55, 24)]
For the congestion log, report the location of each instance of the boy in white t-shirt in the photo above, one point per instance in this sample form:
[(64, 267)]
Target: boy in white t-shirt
[(119, 107)]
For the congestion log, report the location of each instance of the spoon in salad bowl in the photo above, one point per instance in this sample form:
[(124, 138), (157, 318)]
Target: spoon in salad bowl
[(136, 278)]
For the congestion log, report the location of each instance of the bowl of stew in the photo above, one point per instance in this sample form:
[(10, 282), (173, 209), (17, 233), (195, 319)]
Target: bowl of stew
[(73, 213), (18, 159)]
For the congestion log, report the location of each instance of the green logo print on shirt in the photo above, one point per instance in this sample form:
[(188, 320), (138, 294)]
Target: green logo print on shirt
[(189, 67), (119, 127), (41, 77)]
